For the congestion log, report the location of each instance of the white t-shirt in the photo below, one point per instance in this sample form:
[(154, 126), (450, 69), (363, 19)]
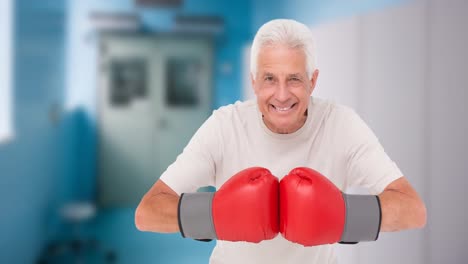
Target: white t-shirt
[(334, 141)]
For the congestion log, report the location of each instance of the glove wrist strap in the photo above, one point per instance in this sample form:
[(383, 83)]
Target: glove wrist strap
[(195, 216), (363, 218)]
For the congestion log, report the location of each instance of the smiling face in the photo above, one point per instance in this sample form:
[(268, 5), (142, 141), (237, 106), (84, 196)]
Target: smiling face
[(283, 88)]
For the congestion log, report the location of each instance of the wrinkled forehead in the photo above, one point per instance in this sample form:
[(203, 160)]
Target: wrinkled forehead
[(281, 60)]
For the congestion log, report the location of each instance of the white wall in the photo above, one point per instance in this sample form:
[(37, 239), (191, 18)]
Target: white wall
[(338, 46), (447, 163), (392, 101), (6, 39)]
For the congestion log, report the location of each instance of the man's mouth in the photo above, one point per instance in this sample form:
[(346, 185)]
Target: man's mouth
[(283, 109)]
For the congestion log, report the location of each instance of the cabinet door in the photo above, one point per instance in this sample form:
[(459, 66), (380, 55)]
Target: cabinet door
[(154, 93), (184, 102)]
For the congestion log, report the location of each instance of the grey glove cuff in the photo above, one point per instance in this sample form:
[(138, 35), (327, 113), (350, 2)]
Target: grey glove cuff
[(363, 218), (195, 217)]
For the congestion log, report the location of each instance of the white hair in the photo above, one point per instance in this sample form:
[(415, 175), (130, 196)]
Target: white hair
[(284, 32)]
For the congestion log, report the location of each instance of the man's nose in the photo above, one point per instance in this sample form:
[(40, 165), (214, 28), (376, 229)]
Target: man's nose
[(282, 92)]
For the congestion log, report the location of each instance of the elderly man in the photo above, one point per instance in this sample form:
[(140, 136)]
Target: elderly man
[(281, 166)]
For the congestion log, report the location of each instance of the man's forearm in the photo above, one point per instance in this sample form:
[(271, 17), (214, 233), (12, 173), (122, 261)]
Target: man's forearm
[(401, 211), (158, 213)]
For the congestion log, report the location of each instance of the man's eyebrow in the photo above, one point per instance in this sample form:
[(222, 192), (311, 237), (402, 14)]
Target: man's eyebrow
[(295, 75)]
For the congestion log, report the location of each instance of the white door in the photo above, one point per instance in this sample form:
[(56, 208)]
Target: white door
[(154, 92)]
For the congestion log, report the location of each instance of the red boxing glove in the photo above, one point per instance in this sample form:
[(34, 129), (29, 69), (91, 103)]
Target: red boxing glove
[(313, 211), (245, 208)]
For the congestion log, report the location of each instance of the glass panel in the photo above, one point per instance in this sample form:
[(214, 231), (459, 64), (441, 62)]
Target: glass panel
[(128, 80), (182, 75)]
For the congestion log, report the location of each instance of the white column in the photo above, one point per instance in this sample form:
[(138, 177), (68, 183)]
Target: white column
[(6, 71)]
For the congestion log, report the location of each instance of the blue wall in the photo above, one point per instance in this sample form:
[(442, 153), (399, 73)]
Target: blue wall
[(115, 227), (82, 56), (36, 166)]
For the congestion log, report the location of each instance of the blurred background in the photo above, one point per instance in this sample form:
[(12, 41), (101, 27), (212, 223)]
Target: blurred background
[(97, 98)]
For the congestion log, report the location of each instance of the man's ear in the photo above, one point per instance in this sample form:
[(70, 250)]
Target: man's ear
[(252, 81), (313, 80)]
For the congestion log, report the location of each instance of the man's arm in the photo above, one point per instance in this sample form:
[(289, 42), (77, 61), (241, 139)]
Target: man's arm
[(402, 208), (157, 211), (205, 216)]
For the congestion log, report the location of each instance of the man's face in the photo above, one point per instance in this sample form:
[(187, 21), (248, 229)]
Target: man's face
[(282, 87)]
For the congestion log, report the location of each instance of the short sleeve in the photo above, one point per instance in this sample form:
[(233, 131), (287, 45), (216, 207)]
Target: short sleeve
[(367, 163), (195, 167)]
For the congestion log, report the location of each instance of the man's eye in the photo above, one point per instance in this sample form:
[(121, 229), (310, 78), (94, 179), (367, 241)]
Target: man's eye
[(294, 79), (269, 78)]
